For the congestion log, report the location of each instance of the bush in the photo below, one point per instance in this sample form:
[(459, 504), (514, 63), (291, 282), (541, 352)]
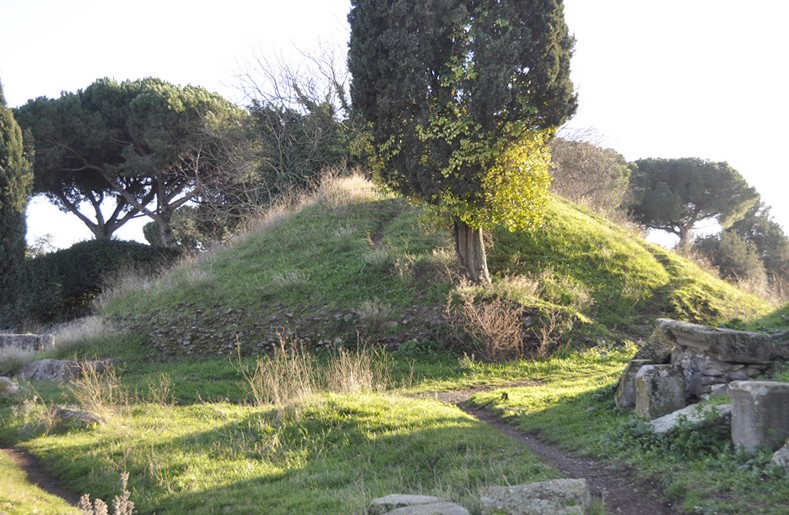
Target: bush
[(62, 285)]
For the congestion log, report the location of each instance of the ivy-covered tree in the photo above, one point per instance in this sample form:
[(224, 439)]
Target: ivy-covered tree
[(461, 98), (144, 146), (674, 195), (16, 179)]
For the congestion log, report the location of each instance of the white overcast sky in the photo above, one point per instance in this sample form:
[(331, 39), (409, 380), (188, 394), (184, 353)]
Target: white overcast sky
[(655, 78)]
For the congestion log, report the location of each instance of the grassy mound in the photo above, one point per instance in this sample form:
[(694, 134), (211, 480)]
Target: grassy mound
[(352, 261)]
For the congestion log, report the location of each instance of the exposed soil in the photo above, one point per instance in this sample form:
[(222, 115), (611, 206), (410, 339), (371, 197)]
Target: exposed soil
[(618, 486), (37, 474)]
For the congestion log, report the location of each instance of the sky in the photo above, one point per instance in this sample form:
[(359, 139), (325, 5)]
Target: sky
[(655, 78)]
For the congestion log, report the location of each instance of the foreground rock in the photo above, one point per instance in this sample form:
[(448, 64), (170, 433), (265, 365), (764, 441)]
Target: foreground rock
[(70, 418), (559, 496), (413, 504), (660, 389), (781, 456), (694, 415), (8, 387), (59, 371), (760, 414)]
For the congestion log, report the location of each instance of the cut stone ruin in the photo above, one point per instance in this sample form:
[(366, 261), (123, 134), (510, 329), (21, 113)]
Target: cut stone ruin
[(28, 342), (553, 497), (683, 363)]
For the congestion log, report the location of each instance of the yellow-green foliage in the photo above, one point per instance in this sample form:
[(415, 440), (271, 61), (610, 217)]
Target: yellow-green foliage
[(516, 188)]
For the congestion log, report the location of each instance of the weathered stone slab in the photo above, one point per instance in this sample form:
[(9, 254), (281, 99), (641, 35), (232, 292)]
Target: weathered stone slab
[(394, 501), (723, 344), (760, 414), (58, 371), (694, 415), (625, 396), (660, 390), (8, 387), (437, 508), (559, 496), (29, 342), (74, 418)]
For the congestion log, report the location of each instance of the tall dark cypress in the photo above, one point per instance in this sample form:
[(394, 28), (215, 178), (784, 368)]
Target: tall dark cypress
[(16, 179), (449, 86)]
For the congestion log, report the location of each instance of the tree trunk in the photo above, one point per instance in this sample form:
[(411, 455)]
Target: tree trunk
[(470, 248)]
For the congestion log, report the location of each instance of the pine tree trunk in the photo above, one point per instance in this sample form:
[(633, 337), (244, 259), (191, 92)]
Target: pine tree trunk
[(470, 248)]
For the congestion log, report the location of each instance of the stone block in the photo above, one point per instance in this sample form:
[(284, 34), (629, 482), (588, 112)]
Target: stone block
[(660, 390), (695, 414), (8, 387), (558, 496), (436, 508), (394, 501), (625, 396), (760, 414)]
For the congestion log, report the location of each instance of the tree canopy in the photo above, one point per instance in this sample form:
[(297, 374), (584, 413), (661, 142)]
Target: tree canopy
[(16, 177), (460, 98), (145, 146), (673, 195)]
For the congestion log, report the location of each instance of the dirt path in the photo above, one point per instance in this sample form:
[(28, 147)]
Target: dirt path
[(619, 487), (37, 475)]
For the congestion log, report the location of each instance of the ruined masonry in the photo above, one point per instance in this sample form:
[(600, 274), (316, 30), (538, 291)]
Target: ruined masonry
[(683, 363)]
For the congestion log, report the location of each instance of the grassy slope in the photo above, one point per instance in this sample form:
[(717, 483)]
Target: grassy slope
[(355, 260), (352, 260)]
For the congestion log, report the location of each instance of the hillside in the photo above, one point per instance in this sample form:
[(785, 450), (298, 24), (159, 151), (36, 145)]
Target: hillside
[(354, 262)]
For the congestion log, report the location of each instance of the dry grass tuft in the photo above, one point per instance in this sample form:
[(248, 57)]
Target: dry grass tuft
[(291, 373)]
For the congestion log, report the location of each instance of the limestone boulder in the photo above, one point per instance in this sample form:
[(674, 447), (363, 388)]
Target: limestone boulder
[(71, 418), (436, 508), (781, 456), (694, 415), (559, 496), (8, 387), (394, 501), (660, 390), (625, 396), (722, 344), (760, 414), (59, 371)]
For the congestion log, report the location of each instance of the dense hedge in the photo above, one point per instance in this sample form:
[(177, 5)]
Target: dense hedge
[(62, 285)]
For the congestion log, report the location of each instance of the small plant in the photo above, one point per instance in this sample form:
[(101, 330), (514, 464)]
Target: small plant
[(362, 370), (99, 391), (495, 326), (374, 312), (285, 280), (121, 505), (284, 377)]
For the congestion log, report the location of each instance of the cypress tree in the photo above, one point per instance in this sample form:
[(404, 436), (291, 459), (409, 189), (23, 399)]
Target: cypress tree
[(16, 179), (461, 98)]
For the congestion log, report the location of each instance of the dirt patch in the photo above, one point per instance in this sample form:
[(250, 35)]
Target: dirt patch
[(37, 474), (618, 486)]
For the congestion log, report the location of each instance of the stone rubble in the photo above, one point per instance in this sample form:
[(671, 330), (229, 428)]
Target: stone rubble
[(554, 497)]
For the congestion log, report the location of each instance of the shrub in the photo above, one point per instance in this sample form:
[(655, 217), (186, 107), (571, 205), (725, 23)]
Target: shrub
[(62, 285)]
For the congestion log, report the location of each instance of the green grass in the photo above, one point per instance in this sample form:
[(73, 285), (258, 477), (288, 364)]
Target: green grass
[(355, 264), (18, 497), (330, 455)]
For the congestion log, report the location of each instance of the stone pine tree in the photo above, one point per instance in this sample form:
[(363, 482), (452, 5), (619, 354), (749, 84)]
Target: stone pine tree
[(16, 179), (461, 98), (673, 195)]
